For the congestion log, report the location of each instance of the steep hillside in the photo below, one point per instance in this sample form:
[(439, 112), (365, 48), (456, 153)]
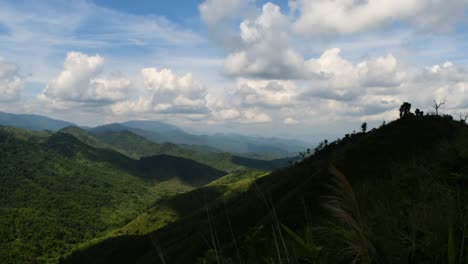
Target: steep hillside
[(399, 195), (176, 207), (57, 192), (33, 122)]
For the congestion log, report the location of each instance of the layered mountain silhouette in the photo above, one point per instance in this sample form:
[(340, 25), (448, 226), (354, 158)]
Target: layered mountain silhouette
[(161, 132)]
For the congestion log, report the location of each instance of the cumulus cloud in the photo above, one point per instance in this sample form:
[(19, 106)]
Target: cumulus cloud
[(380, 72), (254, 115), (447, 72), (270, 94), (166, 92), (345, 80), (266, 50), (213, 12), (325, 17), (420, 86), (267, 53), (11, 83), (81, 81), (446, 80)]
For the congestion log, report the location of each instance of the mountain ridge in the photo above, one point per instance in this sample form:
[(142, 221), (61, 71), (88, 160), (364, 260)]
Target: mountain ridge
[(416, 162), (33, 122)]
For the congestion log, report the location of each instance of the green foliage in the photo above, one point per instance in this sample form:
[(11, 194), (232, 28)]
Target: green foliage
[(404, 200), (57, 192), (137, 146)]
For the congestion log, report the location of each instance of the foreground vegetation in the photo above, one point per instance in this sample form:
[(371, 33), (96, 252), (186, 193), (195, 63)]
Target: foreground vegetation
[(396, 194)]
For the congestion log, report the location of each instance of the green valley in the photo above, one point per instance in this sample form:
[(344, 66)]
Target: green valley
[(62, 190)]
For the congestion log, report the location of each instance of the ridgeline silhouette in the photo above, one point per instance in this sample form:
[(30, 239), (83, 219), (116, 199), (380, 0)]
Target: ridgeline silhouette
[(394, 194)]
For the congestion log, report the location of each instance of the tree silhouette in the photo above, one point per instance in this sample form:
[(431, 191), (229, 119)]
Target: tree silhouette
[(437, 105), (364, 127), (418, 112), (405, 109), (462, 117)]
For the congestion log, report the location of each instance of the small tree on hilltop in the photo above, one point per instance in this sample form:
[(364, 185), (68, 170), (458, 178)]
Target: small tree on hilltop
[(405, 109), (437, 105), (418, 112), (364, 127)]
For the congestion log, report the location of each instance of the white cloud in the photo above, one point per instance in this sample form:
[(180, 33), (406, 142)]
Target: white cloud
[(447, 71), (380, 72), (290, 121), (81, 81), (446, 80), (266, 49), (227, 114), (167, 92), (345, 80), (254, 115), (11, 83), (325, 17), (270, 94), (267, 53), (419, 86), (214, 12)]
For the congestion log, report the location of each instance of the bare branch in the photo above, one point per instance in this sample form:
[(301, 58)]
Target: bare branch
[(437, 105), (462, 117)]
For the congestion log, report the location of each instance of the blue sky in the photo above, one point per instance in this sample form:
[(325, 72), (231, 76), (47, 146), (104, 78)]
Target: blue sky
[(291, 68)]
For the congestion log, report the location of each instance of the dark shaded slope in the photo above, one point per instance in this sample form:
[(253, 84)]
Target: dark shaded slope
[(138, 146), (160, 167), (267, 165), (409, 177), (165, 167)]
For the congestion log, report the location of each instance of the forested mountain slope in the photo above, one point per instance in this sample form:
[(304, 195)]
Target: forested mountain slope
[(56, 191), (138, 146), (398, 195)]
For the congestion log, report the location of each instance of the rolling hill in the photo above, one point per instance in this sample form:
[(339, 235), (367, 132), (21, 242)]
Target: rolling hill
[(57, 192), (238, 144), (397, 194), (138, 146)]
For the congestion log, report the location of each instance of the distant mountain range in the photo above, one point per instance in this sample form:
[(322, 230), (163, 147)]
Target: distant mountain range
[(136, 146), (160, 132), (32, 122)]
